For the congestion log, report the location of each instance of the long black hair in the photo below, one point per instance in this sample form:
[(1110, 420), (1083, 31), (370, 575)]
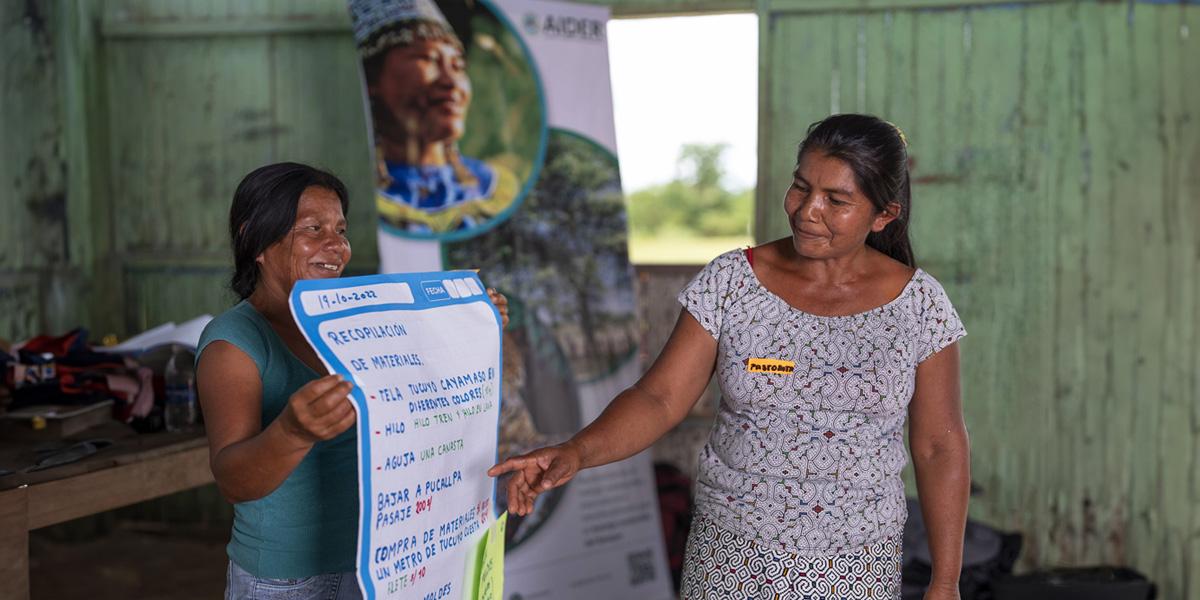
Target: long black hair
[(877, 152), (264, 211)]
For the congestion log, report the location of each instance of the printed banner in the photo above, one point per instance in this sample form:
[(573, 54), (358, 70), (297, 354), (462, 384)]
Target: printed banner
[(423, 352), (495, 149)]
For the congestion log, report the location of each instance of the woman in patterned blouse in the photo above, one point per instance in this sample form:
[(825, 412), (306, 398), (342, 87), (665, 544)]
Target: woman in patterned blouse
[(823, 342)]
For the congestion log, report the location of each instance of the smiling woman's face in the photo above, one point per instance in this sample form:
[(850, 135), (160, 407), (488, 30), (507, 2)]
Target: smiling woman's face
[(828, 213), (423, 92), (315, 248)]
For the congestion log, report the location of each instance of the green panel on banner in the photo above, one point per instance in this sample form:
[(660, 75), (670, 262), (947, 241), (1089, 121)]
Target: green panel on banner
[(485, 569)]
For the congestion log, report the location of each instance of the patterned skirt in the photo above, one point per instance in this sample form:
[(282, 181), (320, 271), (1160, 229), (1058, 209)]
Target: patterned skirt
[(720, 564)]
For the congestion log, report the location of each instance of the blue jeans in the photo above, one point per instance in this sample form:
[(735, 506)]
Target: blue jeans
[(241, 585)]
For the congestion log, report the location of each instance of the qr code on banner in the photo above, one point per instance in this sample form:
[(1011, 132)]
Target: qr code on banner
[(641, 566)]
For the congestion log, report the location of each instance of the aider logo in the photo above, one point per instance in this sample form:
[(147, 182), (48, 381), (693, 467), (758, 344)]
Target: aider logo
[(564, 27), (770, 365)]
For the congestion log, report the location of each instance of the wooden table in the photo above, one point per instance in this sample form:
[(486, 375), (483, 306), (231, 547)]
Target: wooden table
[(134, 469)]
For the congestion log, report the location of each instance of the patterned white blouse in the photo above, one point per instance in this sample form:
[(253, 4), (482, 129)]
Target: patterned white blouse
[(806, 452)]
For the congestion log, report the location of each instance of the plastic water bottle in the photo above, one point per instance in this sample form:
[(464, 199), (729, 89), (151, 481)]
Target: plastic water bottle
[(179, 379)]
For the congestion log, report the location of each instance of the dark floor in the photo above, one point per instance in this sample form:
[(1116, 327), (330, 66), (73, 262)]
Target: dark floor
[(129, 562)]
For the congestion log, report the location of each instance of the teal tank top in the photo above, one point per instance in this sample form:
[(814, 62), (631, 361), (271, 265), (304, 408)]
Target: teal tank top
[(309, 524)]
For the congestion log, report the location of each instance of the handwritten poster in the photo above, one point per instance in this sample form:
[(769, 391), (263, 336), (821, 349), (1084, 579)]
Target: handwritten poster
[(423, 352)]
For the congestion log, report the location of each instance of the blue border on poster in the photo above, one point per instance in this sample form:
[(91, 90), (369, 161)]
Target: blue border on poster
[(310, 327)]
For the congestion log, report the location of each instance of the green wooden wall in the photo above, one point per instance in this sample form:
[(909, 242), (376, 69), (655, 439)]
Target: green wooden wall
[(33, 234), (1056, 149), (1057, 196), (127, 126)]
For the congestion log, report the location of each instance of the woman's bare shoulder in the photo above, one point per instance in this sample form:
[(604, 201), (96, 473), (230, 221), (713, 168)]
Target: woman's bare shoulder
[(889, 269)]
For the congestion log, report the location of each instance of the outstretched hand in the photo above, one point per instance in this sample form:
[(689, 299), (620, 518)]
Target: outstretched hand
[(537, 472)]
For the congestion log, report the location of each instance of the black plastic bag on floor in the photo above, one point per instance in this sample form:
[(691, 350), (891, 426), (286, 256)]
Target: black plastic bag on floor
[(988, 554), (1080, 583)]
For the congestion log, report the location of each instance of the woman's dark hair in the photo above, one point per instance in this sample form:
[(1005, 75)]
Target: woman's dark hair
[(264, 211), (878, 154)]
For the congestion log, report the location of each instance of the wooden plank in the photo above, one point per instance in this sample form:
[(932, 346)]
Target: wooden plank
[(128, 447), (20, 304), (1116, 445), (126, 29), (991, 301), (877, 49), (763, 227), (32, 166), (156, 296), (1107, 482), (230, 10), (1073, 306), (800, 91), (956, 137), (673, 8), (341, 144), (66, 499), (89, 211), (189, 118), (1176, 448), (34, 269), (1036, 211), (842, 38), (854, 6), (1111, 174), (934, 173), (195, 261), (1182, 40), (14, 544), (1145, 282), (158, 19), (185, 126), (967, 202)]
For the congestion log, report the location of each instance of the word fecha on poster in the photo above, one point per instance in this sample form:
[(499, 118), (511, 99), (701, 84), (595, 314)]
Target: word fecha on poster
[(424, 354)]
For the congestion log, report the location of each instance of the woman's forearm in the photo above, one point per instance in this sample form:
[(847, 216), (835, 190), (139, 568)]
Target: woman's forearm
[(944, 485), (254, 467), (632, 422)]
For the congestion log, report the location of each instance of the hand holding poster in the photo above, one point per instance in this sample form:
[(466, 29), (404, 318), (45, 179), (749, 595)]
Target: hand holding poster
[(423, 350)]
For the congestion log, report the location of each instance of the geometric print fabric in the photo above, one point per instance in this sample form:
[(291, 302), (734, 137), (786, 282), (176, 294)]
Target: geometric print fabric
[(721, 565), (807, 461)]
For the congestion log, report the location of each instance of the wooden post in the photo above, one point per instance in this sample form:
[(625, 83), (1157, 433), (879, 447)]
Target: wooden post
[(14, 544)]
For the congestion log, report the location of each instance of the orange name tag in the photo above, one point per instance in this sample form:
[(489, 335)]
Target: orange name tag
[(769, 365)]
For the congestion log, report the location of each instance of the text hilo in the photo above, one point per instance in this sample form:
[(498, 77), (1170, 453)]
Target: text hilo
[(391, 428)]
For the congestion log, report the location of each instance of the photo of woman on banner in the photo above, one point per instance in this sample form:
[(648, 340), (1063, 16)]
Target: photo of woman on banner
[(419, 91)]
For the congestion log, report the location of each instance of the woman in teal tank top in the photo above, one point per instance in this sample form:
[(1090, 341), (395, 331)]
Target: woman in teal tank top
[(280, 428)]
